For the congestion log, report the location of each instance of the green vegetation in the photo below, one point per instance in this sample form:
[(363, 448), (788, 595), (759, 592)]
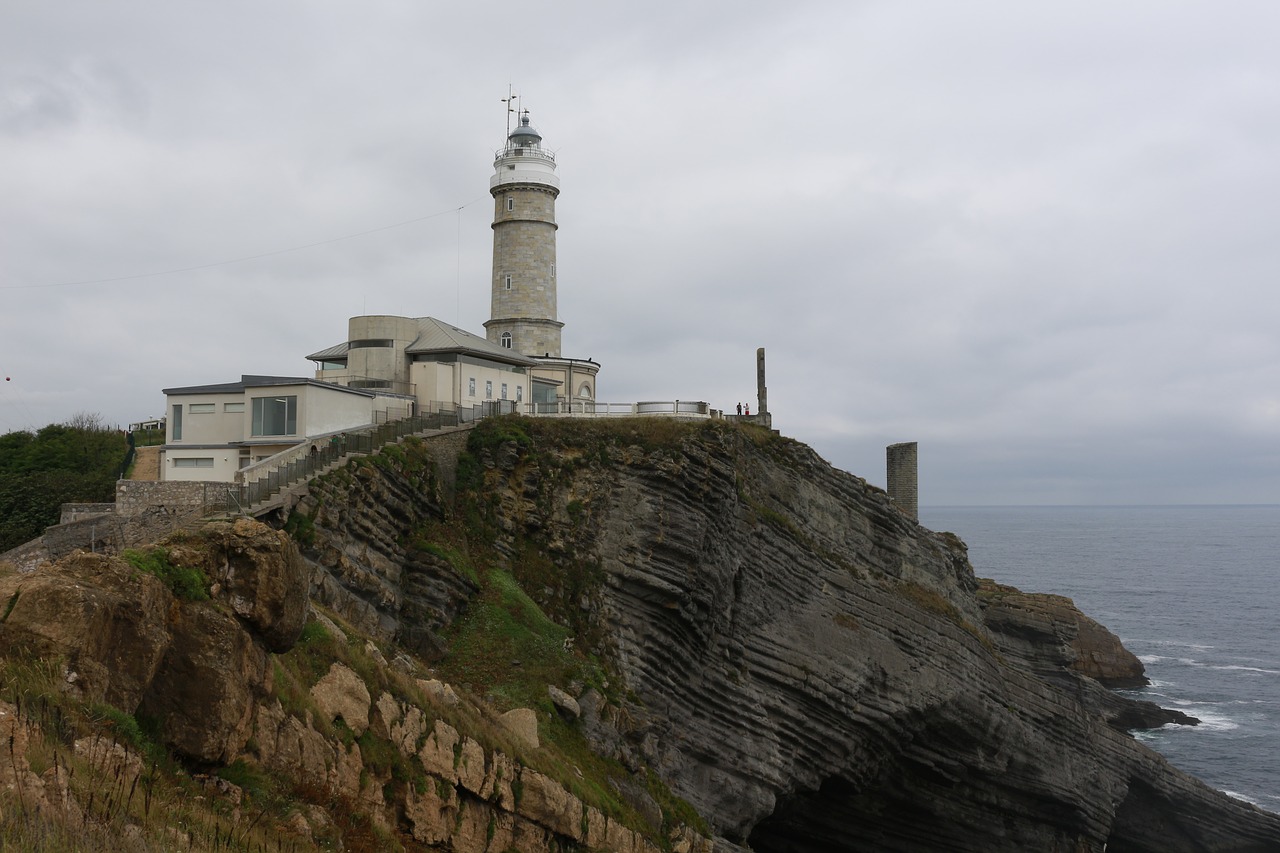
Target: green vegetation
[(189, 584), (301, 527), (78, 461)]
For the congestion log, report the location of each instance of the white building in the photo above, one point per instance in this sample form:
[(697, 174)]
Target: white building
[(214, 431), (438, 365)]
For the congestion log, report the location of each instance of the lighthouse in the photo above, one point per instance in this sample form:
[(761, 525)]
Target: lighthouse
[(524, 188), (523, 314)]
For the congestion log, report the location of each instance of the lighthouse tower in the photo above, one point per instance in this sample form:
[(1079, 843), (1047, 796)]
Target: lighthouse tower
[(523, 315), (524, 189)]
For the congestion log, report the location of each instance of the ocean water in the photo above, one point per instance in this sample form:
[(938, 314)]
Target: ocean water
[(1194, 592)]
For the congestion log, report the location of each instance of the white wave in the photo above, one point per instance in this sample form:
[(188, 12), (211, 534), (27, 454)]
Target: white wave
[(1245, 668), (1151, 658), (1199, 647), (1238, 796), (1210, 721)]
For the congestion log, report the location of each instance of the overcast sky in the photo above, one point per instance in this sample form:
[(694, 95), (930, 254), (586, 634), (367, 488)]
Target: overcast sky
[(1037, 238)]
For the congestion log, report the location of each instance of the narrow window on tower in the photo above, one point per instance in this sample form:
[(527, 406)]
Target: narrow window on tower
[(506, 281), (511, 203), (506, 340), (553, 270)]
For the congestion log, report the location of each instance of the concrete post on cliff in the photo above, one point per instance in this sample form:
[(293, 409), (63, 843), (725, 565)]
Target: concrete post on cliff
[(901, 461), (762, 392)]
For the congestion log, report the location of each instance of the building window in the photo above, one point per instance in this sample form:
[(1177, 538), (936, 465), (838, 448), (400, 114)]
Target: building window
[(488, 389), (553, 270), (504, 390), (506, 281), (505, 340), (193, 462), (201, 408), (177, 422), (511, 203), (519, 393), (275, 415), (471, 387), (233, 407), (584, 391), (371, 342)]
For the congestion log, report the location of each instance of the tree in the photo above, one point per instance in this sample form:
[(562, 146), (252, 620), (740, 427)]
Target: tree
[(78, 461)]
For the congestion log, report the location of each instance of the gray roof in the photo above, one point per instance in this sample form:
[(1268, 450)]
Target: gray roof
[(437, 336), (335, 351), (250, 381)]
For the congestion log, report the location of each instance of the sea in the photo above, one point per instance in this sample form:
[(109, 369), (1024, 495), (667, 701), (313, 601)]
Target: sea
[(1193, 591)]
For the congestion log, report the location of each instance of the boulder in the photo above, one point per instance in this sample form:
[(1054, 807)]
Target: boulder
[(523, 723), (342, 694), (565, 704), (258, 572), (106, 622), (212, 665)]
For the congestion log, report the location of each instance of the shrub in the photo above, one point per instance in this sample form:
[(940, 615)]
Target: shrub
[(190, 584)]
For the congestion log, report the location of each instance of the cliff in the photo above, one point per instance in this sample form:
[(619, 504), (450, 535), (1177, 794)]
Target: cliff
[(628, 636)]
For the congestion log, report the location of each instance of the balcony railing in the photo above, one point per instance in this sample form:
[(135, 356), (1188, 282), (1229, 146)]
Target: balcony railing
[(526, 152)]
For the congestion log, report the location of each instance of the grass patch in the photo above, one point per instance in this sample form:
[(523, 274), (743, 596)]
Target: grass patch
[(189, 584), (507, 647)]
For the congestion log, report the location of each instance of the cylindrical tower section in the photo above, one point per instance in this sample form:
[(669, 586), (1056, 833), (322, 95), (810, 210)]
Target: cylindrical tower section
[(523, 313), (901, 461)]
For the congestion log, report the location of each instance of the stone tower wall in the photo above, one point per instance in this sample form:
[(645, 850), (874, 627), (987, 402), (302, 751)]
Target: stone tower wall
[(903, 472), (524, 247)]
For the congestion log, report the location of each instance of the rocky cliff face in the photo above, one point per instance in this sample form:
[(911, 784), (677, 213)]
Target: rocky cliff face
[(812, 670), (650, 628)]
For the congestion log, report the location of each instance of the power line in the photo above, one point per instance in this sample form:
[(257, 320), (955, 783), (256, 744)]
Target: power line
[(136, 276)]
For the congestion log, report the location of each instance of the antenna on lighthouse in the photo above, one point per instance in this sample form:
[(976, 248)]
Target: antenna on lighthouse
[(509, 100)]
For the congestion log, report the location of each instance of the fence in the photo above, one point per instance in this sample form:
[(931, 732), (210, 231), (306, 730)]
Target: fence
[(653, 408)]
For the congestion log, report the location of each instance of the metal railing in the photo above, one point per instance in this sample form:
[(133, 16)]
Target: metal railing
[(590, 409)]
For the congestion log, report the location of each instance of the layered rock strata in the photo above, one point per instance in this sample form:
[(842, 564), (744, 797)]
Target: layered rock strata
[(814, 671)]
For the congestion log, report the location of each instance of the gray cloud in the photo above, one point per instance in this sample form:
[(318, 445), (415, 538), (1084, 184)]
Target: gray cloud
[(1035, 238)]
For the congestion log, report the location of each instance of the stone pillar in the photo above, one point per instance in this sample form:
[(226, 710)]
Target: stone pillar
[(903, 477), (762, 393)]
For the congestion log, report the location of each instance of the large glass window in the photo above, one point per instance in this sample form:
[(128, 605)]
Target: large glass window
[(275, 415), (177, 422)]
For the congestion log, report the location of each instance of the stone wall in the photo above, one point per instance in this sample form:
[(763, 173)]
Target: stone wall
[(75, 512), (137, 497)]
